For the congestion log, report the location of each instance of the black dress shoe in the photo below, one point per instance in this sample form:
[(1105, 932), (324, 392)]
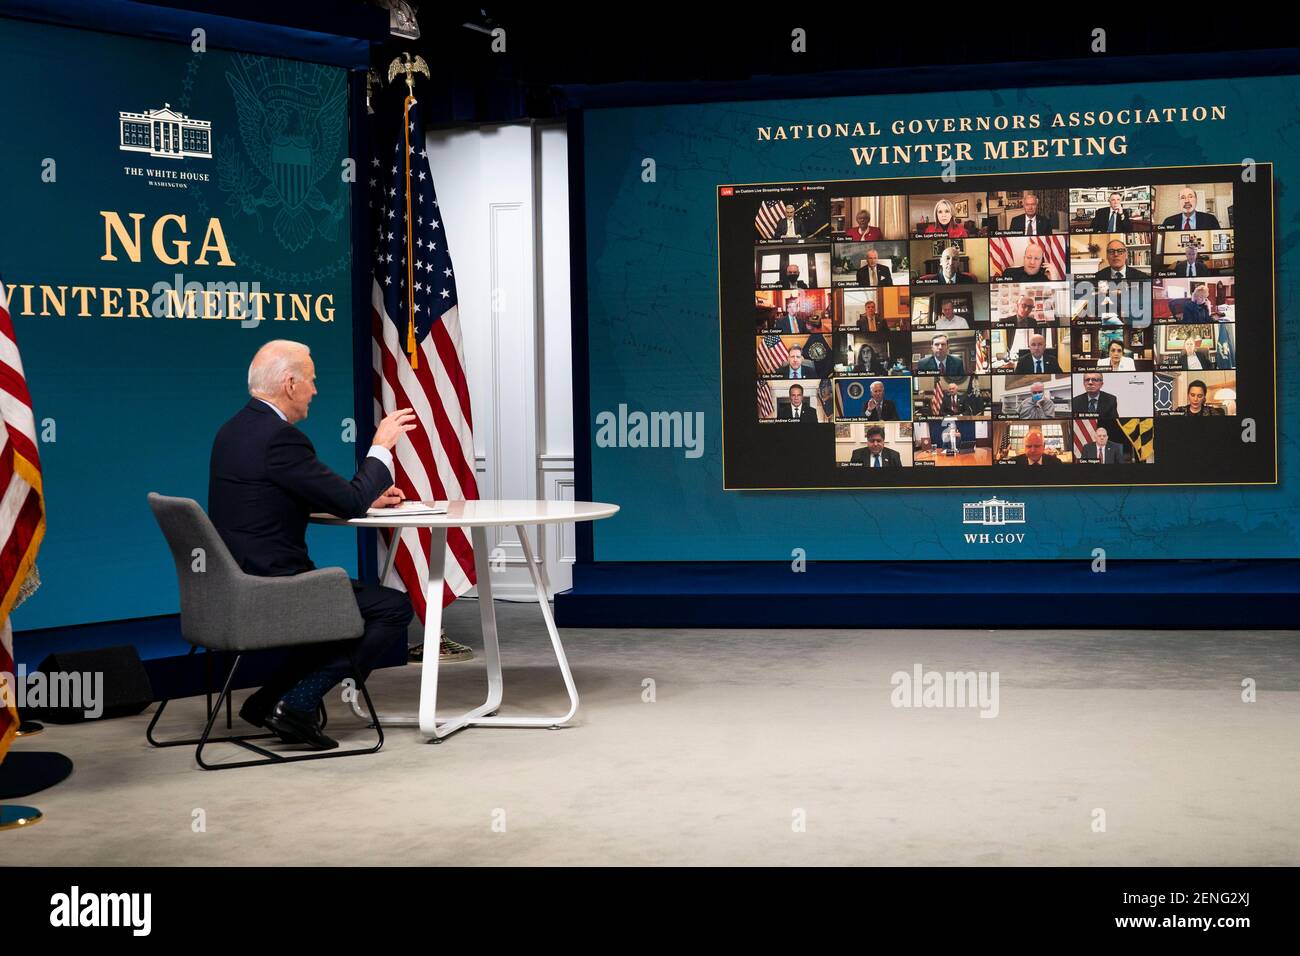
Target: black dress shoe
[(298, 727)]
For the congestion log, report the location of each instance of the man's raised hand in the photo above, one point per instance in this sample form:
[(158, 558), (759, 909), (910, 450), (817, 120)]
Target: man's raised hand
[(393, 426)]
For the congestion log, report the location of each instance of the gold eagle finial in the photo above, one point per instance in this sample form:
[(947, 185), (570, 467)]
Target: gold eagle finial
[(405, 64)]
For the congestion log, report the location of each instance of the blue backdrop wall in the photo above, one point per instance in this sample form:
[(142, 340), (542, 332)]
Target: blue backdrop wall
[(128, 402)]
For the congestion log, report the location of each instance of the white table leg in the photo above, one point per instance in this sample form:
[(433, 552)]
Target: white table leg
[(538, 574), (427, 720)]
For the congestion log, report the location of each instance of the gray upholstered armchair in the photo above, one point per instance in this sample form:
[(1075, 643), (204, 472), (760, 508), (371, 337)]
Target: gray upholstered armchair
[(224, 609)]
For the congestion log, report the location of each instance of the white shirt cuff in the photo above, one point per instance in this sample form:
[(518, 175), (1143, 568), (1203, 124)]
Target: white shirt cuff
[(384, 455)]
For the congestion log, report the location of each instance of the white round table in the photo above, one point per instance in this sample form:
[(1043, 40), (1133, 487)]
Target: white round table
[(477, 516)]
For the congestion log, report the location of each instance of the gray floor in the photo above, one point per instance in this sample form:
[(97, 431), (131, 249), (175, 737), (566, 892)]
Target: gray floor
[(759, 748)]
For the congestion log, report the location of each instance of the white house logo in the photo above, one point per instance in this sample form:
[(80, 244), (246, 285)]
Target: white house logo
[(995, 512), (165, 134)]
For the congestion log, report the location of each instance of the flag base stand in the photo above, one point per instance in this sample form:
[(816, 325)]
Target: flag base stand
[(30, 728), (22, 774), (16, 817)]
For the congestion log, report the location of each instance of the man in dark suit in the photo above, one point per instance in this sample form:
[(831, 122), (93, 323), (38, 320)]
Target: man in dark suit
[(797, 409), (1103, 451), (873, 273), (790, 323), (1192, 268), (876, 455), (1031, 222), (795, 367), (264, 482), (1034, 453), (953, 402), (1189, 218), (1115, 218), (940, 361), (1117, 268), (1037, 360), (1094, 403), (879, 408), (791, 278)]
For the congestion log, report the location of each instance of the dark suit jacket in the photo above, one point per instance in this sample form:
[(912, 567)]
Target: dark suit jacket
[(953, 365), (787, 283), (1101, 221), (783, 324), (882, 273), (1107, 405), (1114, 452), (806, 369), (889, 413), (1204, 220), (1202, 270), (888, 457), (264, 480), (1026, 363), (1206, 411), (1047, 459), (1195, 313), (1207, 361), (1130, 274), (806, 410), (1044, 225), (962, 278), (954, 404)]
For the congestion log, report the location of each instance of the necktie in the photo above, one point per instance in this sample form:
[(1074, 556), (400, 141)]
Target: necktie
[(1032, 225), (1092, 406), (1112, 221), (1191, 270), (1101, 456), (875, 461), (1117, 275), (1038, 365), (1187, 222)]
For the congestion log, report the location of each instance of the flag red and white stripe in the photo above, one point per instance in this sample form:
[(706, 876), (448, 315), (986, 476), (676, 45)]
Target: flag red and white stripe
[(1085, 431), (770, 214), (766, 404), (418, 355), (22, 507)]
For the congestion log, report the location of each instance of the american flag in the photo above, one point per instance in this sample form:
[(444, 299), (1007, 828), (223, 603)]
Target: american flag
[(1004, 445), (770, 214), (22, 510), (772, 354), (418, 357), (936, 396), (981, 352), (766, 406), (1085, 431), (1002, 257)]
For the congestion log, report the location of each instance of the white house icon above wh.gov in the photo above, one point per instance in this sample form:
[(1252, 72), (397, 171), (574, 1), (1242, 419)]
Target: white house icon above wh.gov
[(993, 511)]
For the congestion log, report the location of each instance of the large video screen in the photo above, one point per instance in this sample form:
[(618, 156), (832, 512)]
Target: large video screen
[(999, 330), (942, 266)]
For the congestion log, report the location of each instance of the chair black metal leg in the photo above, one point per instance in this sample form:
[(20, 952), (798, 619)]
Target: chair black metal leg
[(242, 740)]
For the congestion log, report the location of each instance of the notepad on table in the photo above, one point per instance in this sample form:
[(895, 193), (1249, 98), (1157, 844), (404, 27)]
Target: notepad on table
[(407, 509)]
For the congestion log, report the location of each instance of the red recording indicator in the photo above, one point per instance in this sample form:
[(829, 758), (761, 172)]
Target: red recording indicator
[(727, 191)]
